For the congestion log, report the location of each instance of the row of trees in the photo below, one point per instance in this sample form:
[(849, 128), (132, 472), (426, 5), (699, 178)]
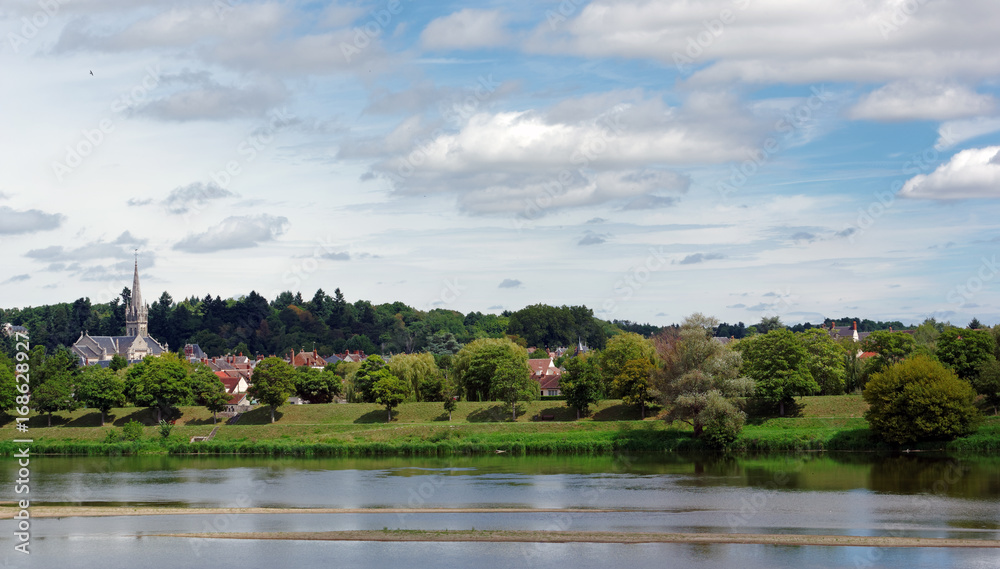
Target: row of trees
[(331, 324)]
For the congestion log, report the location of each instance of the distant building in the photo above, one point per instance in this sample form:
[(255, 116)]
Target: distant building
[(545, 372), (11, 329), (133, 346)]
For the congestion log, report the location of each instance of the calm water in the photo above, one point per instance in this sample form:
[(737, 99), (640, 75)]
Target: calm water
[(849, 494)]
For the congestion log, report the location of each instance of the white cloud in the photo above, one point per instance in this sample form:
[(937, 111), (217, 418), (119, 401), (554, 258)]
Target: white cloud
[(237, 232), (972, 173), (193, 196), (466, 29), (955, 132), (921, 100), (18, 222), (509, 283)]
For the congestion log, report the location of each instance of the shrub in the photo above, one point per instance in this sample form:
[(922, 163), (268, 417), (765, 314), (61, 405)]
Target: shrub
[(165, 428), (920, 399), (132, 430), (722, 421)]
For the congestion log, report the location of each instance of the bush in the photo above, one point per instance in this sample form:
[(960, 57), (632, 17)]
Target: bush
[(132, 430), (920, 399), (165, 429), (722, 421)]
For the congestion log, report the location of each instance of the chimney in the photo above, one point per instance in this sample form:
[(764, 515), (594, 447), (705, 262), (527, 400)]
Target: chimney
[(855, 325), (890, 328)]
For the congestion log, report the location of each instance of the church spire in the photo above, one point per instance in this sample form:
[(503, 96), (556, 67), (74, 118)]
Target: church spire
[(137, 313)]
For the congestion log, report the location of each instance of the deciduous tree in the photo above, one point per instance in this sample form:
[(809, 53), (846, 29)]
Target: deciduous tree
[(779, 366), (965, 350), (100, 388), (273, 382)]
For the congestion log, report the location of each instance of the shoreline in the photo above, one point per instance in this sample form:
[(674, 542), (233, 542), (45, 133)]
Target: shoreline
[(535, 536), (7, 511)]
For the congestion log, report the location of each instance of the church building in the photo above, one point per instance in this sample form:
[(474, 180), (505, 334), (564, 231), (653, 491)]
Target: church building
[(133, 346)]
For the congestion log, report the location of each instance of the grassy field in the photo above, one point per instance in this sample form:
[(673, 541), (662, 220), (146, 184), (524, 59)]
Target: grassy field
[(832, 422)]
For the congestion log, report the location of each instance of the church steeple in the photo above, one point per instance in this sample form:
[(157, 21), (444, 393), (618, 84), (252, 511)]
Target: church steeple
[(137, 313)]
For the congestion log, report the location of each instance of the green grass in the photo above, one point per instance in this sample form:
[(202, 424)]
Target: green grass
[(818, 423)]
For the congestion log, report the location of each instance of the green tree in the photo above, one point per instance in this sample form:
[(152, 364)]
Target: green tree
[(965, 350), (920, 399), (118, 363), (443, 343), (987, 383), (474, 366), (273, 382), (8, 383), (511, 383), (364, 378), (208, 390), (769, 323), (101, 389), (389, 391), (826, 360), (700, 381), (891, 347), (581, 383), (633, 383), (56, 394), (450, 404), (421, 372), (160, 382), (615, 357), (779, 366), (316, 386)]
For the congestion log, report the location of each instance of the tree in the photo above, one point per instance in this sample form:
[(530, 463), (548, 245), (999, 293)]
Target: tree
[(8, 383), (891, 347), (769, 323), (389, 391), (617, 353), (421, 372), (581, 383), (317, 386), (700, 381), (511, 383), (56, 377), (364, 378), (974, 324), (450, 404), (474, 367), (117, 363), (100, 388), (273, 382), (965, 350), (987, 383), (160, 382), (826, 360), (920, 399), (779, 365), (208, 390)]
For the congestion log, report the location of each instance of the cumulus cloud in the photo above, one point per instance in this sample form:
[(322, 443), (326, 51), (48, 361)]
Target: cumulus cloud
[(194, 196), (509, 283), (121, 248), (236, 232), (972, 173), (203, 98), (922, 100), (769, 41), (466, 29), (700, 258), (20, 222), (592, 238)]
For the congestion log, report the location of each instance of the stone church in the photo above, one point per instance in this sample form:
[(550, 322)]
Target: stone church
[(133, 346)]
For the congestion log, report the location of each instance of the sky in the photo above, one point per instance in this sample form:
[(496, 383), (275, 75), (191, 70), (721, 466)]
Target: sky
[(647, 159)]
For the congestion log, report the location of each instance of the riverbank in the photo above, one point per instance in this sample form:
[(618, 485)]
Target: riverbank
[(598, 537), (822, 423)]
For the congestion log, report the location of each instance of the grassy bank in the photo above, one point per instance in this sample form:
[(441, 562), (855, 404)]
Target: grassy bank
[(822, 423)]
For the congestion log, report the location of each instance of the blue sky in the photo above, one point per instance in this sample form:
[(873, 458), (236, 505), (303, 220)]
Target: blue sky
[(741, 158)]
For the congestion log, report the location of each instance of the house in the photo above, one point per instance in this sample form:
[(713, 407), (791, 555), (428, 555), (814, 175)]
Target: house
[(11, 329), (545, 372), (310, 359), (193, 353), (234, 382), (133, 346), (357, 356), (238, 403)]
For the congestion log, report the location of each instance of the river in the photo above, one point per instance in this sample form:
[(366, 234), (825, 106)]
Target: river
[(859, 494)]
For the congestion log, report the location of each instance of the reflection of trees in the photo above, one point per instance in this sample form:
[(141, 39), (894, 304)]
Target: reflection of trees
[(942, 476)]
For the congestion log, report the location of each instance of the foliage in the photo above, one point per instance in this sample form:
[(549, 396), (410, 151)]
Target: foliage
[(389, 391), (965, 350), (891, 347), (826, 360), (546, 326), (8, 383), (450, 404), (581, 383), (100, 388), (364, 379), (165, 428), (273, 382), (538, 354), (160, 382), (855, 371), (475, 365), (317, 386), (920, 399), (779, 365), (56, 394), (987, 383), (421, 372), (769, 323), (117, 363), (208, 390), (132, 430), (511, 382), (700, 381), (619, 351)]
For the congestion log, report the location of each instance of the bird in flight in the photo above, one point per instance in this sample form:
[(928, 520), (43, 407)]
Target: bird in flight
[(91, 72)]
